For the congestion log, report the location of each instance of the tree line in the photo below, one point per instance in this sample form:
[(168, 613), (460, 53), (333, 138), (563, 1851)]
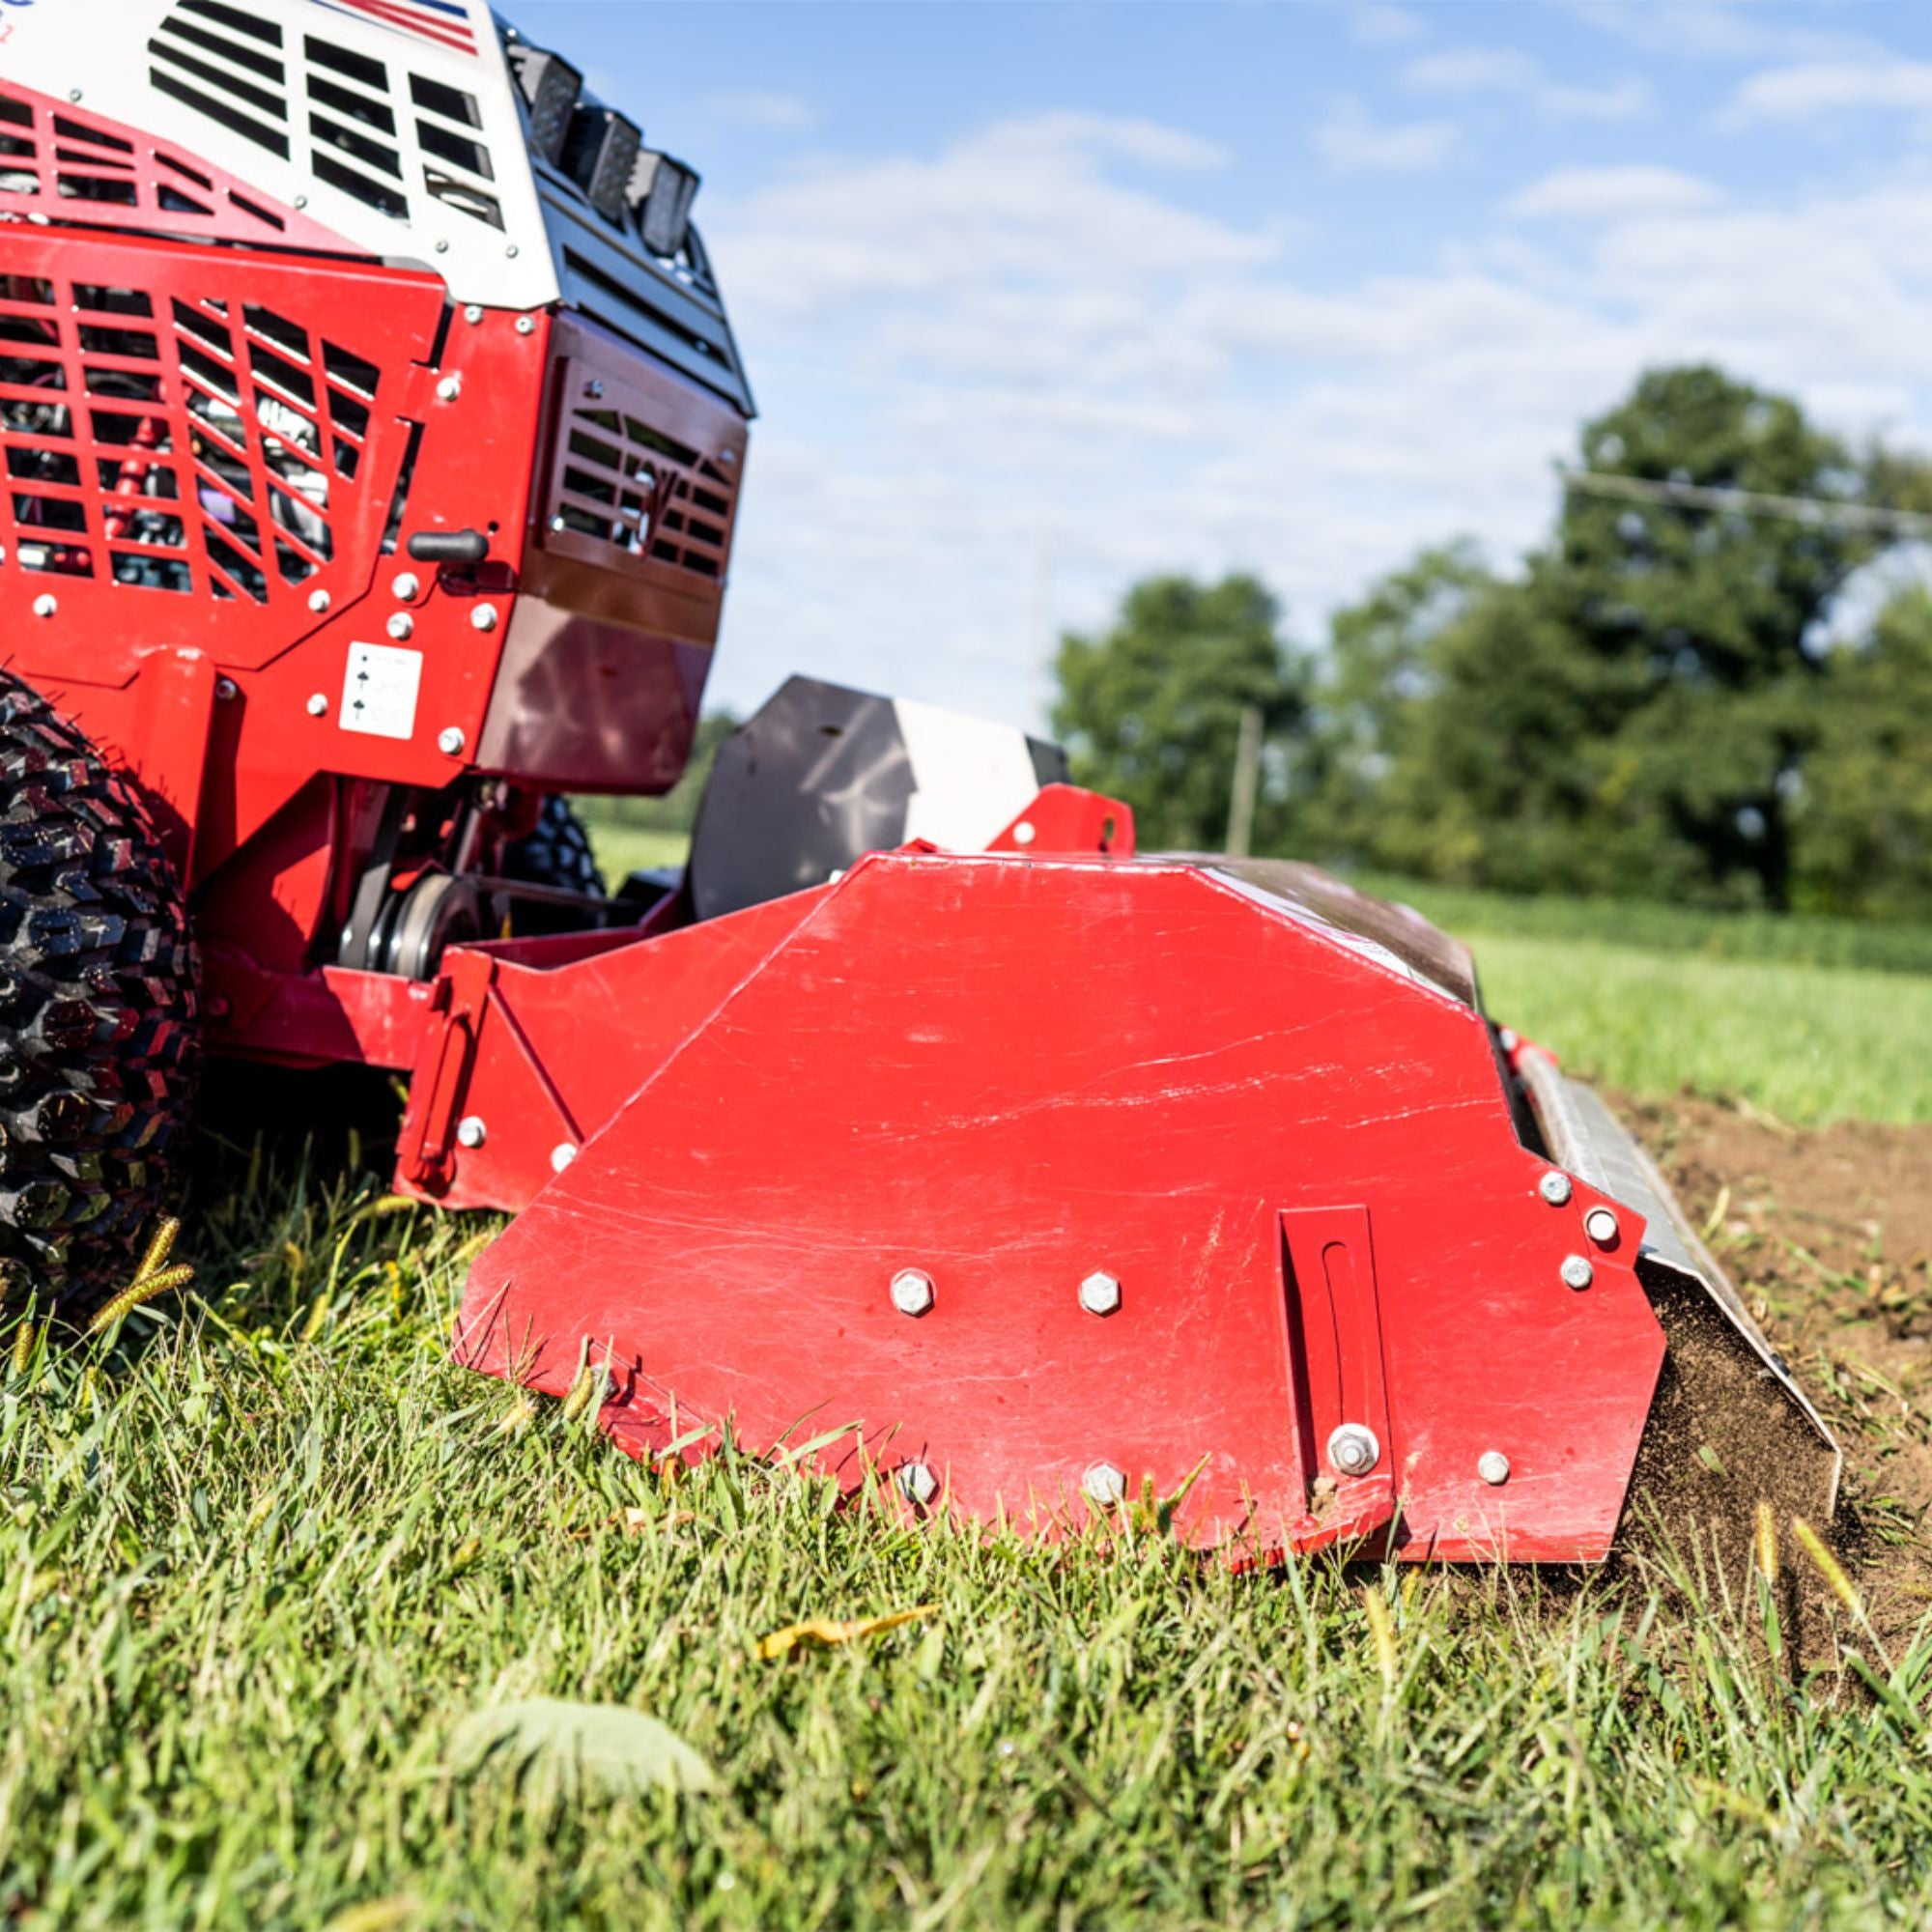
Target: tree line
[(1696, 698)]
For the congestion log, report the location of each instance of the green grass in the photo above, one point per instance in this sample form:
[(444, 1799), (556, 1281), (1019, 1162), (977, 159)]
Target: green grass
[(260, 1566), (624, 849)]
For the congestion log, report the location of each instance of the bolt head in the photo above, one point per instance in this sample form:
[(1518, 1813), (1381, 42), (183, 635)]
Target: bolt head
[(404, 585), (226, 689), (1353, 1450), (449, 741), (441, 246), (1601, 1225), (918, 1484), (400, 624), (1494, 1466), (1554, 1187), (317, 704), (45, 605), (1099, 1293), (1105, 1485), (471, 1131), (317, 600), (472, 311), (912, 1291), (483, 617), (1024, 833), (523, 322), (1577, 1271), (449, 388), (561, 1155)]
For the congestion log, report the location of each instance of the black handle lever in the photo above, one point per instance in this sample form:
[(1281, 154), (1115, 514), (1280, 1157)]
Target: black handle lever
[(448, 546)]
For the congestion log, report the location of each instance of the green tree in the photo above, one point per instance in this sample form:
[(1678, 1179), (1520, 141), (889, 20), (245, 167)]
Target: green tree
[(1151, 711)]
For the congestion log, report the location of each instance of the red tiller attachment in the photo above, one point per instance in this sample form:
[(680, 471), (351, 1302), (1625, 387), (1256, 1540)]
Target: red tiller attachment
[(1039, 1182)]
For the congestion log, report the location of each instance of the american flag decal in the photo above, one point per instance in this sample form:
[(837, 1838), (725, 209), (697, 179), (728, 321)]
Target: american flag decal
[(444, 23)]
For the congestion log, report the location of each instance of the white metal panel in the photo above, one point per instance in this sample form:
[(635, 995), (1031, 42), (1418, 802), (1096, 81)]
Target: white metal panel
[(373, 151), (971, 778)]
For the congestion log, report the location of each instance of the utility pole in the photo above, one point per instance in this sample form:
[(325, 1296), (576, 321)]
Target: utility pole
[(1247, 775)]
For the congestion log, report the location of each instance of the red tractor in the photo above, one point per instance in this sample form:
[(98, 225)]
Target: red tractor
[(374, 435)]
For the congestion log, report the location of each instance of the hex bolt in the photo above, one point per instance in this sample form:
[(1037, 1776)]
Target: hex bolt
[(1554, 1187), (404, 585), (471, 1131), (1577, 1271), (317, 704), (561, 1155), (317, 600), (1601, 1225), (483, 617), (45, 605), (1105, 1485), (400, 625), (449, 741), (1494, 1466), (449, 388), (912, 1291), (1099, 1293), (1354, 1449), (918, 1484)]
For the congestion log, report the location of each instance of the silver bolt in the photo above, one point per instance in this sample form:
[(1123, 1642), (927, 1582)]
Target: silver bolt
[(918, 1484), (317, 600), (74, 94), (302, 201), (449, 388), (400, 625), (1099, 1293), (912, 1291), (1601, 1225), (511, 251), (449, 741), (1354, 1449), (1577, 1271), (472, 312), (1494, 1466), (317, 704), (483, 617), (594, 387), (471, 1131), (1554, 1187), (558, 524), (443, 248), (1023, 833), (404, 585), (226, 689), (1105, 1484), (45, 605), (525, 323), (561, 1155)]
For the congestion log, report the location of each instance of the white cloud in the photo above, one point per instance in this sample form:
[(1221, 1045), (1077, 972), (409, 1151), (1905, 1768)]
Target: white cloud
[(1467, 72), (1350, 142), (1716, 30), (1813, 90), (770, 113), (1375, 25), (1002, 377), (1609, 194)]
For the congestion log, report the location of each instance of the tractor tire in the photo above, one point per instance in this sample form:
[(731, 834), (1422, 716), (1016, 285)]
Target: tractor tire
[(555, 853), (100, 1040)]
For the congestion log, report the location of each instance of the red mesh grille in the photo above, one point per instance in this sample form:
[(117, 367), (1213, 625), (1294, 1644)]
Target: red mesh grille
[(60, 163), (225, 444)]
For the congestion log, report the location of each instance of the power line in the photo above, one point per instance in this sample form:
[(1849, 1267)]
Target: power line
[(1753, 502)]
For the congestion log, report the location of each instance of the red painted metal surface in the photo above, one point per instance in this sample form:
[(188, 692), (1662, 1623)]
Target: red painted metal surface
[(1070, 818), (1296, 1159)]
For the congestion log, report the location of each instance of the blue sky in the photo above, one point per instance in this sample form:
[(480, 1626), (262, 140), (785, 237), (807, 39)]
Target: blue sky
[(1037, 299)]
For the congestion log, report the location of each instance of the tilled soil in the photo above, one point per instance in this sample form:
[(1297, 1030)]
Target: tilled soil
[(1828, 1234)]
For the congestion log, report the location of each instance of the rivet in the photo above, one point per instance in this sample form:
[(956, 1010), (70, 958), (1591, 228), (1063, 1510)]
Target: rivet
[(449, 741), (471, 1131), (45, 605), (472, 311), (1099, 1293), (1577, 1271), (449, 388), (317, 600), (1554, 1187), (1601, 1225), (918, 1484), (404, 585), (226, 689), (317, 704), (483, 617), (400, 625), (525, 323), (561, 1155), (1104, 1484), (912, 1291), (1023, 833), (1494, 1466), (1354, 1449)]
